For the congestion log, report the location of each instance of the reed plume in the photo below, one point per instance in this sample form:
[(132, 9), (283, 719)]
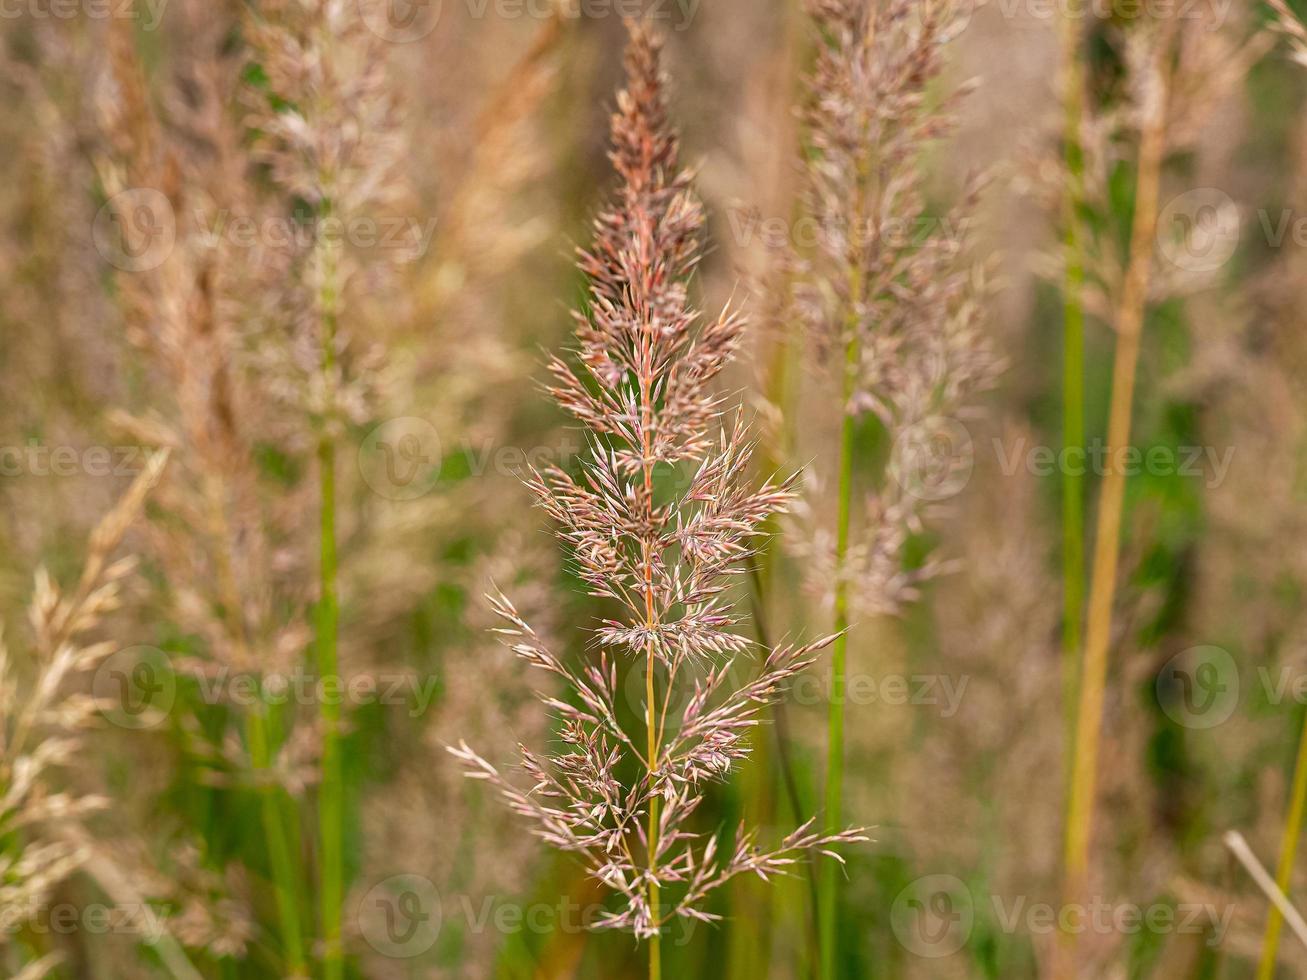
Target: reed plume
[(42, 722), (662, 557), (889, 295), (329, 133), (215, 536)]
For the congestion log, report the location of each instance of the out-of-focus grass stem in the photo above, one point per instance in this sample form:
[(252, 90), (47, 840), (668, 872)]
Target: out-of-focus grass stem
[(331, 796), (1288, 851), (828, 883), (279, 852), (1073, 372), (1107, 543)]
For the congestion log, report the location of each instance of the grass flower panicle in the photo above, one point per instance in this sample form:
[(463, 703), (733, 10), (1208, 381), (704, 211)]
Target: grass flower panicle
[(887, 294), (664, 557)]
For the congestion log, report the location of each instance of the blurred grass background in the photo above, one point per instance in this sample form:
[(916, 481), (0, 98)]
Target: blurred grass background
[(503, 136)]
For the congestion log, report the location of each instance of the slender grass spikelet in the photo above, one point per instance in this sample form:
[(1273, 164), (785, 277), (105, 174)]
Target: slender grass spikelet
[(42, 723), (661, 557), (889, 295)]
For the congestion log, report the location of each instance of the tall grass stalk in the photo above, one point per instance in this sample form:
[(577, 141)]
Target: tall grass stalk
[(1288, 851), (652, 624), (828, 886), (285, 880), (1107, 544), (328, 126), (1073, 372), (901, 318), (331, 797), (1288, 24), (772, 773), (43, 722), (652, 746), (1237, 846)]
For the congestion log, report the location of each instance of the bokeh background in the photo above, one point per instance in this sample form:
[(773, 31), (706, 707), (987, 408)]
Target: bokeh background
[(477, 132)]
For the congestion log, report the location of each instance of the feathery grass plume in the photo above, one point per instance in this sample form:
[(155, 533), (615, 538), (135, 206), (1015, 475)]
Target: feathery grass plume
[(42, 722), (642, 391), (888, 287), (60, 364), (1291, 26), (186, 316), (327, 124), (330, 136), (888, 290), (215, 537)]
